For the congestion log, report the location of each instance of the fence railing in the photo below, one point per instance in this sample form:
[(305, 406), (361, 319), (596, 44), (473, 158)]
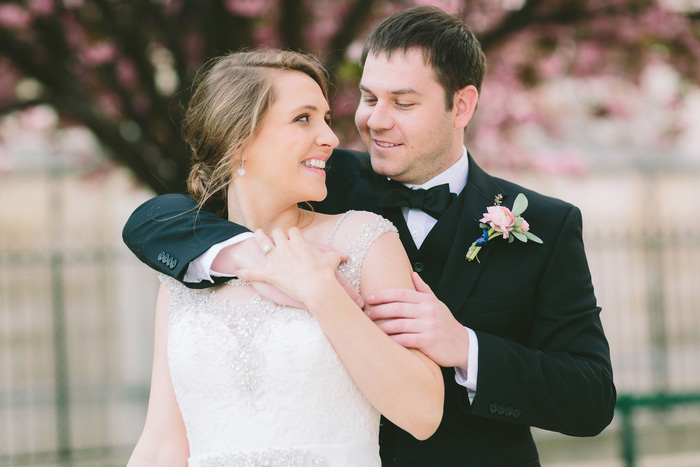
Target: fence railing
[(628, 404), (76, 322)]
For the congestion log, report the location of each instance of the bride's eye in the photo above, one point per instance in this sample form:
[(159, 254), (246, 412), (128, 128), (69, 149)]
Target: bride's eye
[(302, 118)]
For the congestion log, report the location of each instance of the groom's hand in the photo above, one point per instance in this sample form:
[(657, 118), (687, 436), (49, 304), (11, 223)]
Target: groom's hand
[(248, 255), (418, 320)]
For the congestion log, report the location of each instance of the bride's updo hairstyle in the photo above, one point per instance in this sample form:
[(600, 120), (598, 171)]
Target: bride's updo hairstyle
[(232, 95)]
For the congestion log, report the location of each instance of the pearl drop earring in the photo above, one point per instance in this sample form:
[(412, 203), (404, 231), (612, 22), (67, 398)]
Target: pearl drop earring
[(241, 171)]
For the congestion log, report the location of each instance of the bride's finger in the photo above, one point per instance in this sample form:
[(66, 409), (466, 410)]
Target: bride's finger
[(253, 275), (294, 233), (279, 237), (264, 242)]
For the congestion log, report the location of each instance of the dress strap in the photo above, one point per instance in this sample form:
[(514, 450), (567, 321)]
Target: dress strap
[(333, 231)]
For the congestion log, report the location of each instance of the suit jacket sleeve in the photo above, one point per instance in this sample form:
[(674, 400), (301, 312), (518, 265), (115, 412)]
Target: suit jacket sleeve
[(558, 377), (169, 231)]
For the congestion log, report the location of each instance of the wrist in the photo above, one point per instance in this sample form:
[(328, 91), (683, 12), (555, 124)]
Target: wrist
[(462, 361), (325, 294)]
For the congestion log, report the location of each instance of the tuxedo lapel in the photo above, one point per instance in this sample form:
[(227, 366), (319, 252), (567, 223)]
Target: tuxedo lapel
[(396, 217), (460, 275)]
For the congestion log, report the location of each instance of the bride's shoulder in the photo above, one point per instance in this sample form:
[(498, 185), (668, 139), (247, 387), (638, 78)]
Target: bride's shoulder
[(354, 221), (340, 231)]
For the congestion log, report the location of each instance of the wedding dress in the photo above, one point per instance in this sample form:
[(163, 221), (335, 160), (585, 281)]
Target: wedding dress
[(259, 385)]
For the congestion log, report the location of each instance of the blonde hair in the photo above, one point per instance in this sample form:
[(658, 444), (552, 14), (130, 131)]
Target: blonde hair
[(230, 100)]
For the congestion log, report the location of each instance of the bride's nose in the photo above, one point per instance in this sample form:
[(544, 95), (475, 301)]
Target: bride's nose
[(327, 137)]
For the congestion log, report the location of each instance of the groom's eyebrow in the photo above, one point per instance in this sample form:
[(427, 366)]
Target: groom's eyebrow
[(395, 92)]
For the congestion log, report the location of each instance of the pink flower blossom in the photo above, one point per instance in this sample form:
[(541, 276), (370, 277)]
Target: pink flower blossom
[(39, 118), (247, 8), (500, 219), (126, 73), (524, 226), (42, 7), (14, 16), (99, 54)]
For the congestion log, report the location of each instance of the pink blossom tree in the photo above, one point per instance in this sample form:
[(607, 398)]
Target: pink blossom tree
[(122, 69)]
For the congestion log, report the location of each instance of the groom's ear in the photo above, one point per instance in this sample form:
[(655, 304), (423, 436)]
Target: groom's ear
[(464, 105)]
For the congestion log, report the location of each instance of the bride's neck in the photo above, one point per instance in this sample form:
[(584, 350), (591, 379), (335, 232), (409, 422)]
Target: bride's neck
[(262, 211)]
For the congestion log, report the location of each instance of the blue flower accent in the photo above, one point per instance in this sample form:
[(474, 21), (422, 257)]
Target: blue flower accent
[(483, 240)]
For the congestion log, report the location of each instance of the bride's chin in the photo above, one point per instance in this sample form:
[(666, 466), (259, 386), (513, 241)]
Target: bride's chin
[(308, 196), (317, 196)]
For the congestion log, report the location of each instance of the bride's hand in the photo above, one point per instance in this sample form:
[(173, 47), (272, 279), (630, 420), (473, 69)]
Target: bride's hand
[(294, 265)]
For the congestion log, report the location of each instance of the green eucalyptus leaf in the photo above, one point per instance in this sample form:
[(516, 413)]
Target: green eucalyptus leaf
[(519, 236), (533, 237), (510, 239), (520, 205)]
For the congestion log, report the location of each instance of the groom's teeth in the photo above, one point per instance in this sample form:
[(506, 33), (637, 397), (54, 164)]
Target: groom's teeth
[(385, 145), (318, 163)]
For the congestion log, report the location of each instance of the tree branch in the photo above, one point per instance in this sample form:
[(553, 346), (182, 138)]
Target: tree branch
[(291, 22), (528, 15), (349, 30), (143, 159), (20, 105)]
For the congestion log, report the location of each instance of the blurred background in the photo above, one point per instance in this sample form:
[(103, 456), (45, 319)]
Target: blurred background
[(593, 101)]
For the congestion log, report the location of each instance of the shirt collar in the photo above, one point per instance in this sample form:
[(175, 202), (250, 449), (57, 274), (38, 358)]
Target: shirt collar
[(455, 176)]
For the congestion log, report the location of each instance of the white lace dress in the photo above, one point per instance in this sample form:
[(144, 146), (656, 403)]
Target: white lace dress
[(259, 385)]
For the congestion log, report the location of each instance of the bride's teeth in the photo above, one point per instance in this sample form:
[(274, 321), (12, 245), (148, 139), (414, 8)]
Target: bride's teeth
[(317, 163), (385, 145)]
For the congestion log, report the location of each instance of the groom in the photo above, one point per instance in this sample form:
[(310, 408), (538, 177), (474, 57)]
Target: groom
[(517, 332)]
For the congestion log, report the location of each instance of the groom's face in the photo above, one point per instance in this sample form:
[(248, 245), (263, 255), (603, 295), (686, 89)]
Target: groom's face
[(402, 118)]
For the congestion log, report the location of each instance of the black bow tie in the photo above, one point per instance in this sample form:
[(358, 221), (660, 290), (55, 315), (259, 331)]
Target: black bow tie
[(433, 201)]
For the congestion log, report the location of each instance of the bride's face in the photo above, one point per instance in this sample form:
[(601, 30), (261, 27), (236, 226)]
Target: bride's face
[(287, 156)]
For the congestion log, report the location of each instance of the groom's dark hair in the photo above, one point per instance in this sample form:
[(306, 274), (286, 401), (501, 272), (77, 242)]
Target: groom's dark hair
[(447, 45)]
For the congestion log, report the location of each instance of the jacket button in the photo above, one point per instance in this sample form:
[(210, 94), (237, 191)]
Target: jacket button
[(173, 263), (418, 266), (516, 413), (160, 256), (501, 409), (509, 411), (493, 408)]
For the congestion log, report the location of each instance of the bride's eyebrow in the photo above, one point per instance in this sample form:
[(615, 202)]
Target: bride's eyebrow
[(310, 108)]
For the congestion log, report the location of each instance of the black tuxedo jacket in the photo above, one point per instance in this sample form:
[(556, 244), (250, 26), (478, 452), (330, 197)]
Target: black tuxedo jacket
[(543, 357)]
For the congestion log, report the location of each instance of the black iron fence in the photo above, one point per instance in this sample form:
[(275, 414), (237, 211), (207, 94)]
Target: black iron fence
[(76, 327)]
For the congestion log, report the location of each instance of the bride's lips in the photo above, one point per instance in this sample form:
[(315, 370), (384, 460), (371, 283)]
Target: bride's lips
[(315, 164)]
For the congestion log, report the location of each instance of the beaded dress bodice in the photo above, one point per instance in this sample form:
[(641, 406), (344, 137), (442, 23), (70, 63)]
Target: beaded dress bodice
[(258, 384)]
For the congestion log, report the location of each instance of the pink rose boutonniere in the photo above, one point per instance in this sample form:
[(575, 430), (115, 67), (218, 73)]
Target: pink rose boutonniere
[(499, 220)]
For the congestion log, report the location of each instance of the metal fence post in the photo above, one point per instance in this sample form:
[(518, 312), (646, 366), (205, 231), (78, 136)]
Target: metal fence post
[(60, 352), (625, 408)]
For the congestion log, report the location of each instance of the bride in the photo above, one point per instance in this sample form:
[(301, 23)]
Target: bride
[(238, 380)]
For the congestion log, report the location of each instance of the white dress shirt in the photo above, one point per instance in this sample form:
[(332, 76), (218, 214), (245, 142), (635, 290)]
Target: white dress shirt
[(419, 224)]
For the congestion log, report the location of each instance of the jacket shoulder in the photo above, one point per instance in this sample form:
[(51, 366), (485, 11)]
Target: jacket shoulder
[(347, 159), (534, 198)]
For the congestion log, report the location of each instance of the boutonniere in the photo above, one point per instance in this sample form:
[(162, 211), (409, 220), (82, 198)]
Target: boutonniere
[(499, 220)]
